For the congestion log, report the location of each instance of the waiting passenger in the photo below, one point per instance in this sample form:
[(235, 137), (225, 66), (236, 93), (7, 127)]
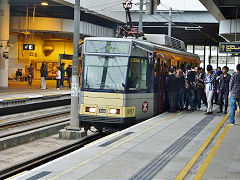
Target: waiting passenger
[(234, 88), (204, 97), (30, 74), (58, 77), (181, 89), (62, 74), (69, 74), (209, 86), (44, 75), (200, 87), (217, 81), (223, 89), (191, 87), (18, 75), (171, 82)]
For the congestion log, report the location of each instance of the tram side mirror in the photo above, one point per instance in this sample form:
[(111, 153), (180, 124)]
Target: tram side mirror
[(123, 85)]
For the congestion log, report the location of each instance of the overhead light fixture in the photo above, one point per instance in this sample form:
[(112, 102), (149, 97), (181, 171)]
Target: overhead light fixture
[(44, 3), (193, 28)]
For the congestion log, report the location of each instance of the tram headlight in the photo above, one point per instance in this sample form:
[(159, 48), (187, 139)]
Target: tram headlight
[(114, 111), (90, 109)]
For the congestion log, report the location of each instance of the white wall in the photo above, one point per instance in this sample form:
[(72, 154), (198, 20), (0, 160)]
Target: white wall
[(58, 25), (13, 57)]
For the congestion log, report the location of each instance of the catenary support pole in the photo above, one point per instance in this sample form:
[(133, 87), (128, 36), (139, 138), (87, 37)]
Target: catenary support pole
[(170, 23), (140, 23), (74, 121), (73, 130)]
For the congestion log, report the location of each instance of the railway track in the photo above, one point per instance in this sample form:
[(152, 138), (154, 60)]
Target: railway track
[(31, 123), (8, 172), (16, 127)]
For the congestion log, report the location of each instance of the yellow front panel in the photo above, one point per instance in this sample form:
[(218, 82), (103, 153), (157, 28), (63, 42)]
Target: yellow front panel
[(103, 102), (103, 99)]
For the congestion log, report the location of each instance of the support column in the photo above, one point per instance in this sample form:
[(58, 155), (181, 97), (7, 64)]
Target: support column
[(4, 37), (170, 23), (217, 57), (204, 57), (140, 24), (210, 53)]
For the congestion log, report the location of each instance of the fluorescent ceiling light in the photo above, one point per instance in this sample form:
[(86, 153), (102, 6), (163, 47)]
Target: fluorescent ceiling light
[(44, 3)]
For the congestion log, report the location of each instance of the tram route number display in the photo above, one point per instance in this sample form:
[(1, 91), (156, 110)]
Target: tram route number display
[(229, 47), (28, 46), (145, 106)]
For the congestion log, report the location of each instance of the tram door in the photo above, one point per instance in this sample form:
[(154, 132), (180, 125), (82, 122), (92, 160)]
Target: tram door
[(159, 85)]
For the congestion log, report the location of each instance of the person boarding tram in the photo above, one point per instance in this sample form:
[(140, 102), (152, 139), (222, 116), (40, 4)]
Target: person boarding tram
[(171, 82)]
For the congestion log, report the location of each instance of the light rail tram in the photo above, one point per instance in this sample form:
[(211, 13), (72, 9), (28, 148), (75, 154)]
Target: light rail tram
[(123, 78)]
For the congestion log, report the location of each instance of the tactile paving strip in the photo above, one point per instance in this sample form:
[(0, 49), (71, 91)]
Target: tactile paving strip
[(157, 164)]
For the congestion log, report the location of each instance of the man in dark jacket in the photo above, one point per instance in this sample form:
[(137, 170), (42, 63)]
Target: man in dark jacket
[(62, 74), (191, 88), (30, 74), (69, 74), (44, 75), (171, 82), (234, 88), (223, 89), (200, 87)]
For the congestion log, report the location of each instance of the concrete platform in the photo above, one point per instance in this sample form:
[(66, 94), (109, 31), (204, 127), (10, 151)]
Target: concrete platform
[(20, 94), (159, 148), (226, 162)]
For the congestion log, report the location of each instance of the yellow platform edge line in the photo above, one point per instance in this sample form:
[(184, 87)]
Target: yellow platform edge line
[(15, 98), (23, 92), (15, 175), (189, 165), (52, 95), (207, 161)]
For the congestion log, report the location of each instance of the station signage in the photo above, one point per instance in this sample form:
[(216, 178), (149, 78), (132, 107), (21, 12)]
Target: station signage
[(229, 47), (28, 46)]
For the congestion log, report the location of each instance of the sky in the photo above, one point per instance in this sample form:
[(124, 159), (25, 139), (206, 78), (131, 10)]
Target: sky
[(185, 5), (111, 8)]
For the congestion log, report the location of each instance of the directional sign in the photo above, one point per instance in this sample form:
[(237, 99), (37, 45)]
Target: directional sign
[(229, 48), (28, 46)]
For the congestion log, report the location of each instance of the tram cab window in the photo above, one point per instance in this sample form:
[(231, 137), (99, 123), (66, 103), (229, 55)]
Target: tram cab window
[(137, 75)]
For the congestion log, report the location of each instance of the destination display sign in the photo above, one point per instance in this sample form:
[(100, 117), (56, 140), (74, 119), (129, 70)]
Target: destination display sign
[(229, 47), (28, 46)]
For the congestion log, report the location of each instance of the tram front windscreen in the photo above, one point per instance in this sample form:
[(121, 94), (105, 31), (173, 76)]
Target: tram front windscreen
[(103, 72)]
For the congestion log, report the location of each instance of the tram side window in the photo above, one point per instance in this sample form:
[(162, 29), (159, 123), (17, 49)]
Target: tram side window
[(137, 75), (168, 63)]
